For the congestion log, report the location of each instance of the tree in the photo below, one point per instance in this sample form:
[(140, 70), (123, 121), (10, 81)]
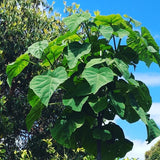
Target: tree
[(21, 24), (88, 65), (154, 152)]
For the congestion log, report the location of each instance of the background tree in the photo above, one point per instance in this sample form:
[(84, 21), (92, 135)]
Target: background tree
[(153, 153), (21, 24), (90, 70)]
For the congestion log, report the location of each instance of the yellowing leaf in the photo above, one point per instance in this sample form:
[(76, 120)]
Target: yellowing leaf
[(77, 6), (97, 13)]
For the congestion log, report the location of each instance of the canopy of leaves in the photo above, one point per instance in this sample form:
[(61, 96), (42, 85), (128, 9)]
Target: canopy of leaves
[(91, 71)]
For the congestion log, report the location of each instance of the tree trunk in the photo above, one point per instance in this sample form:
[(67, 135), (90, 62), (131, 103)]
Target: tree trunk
[(99, 141)]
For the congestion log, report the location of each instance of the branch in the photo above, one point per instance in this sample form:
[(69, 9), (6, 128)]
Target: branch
[(86, 29), (52, 66), (119, 42), (99, 118), (114, 41)]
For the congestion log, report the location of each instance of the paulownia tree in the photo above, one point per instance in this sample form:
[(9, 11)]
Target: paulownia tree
[(89, 67)]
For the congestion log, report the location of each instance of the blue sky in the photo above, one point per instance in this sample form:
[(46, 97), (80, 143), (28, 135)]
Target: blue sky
[(148, 13)]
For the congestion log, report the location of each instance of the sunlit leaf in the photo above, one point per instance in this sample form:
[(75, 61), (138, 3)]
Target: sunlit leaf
[(135, 22), (69, 36), (114, 19), (98, 77), (97, 13), (106, 31), (95, 61), (54, 52), (122, 33), (15, 68), (45, 85), (37, 48), (75, 20)]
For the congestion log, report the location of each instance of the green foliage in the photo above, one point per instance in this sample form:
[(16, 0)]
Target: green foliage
[(93, 78), (2, 151), (45, 85), (37, 48), (15, 68), (154, 152)]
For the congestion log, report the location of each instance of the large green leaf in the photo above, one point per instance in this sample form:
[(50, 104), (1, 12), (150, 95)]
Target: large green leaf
[(69, 36), (145, 46), (33, 99), (142, 96), (98, 77), (76, 103), (122, 67), (37, 48), (15, 68), (77, 89), (75, 51), (75, 20), (122, 33), (106, 31), (45, 85), (152, 129), (54, 52), (64, 128), (127, 55), (35, 111), (33, 115), (136, 97), (99, 105), (118, 104), (114, 19), (76, 95), (150, 40), (153, 48)]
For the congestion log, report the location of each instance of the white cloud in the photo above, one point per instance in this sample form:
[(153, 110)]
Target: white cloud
[(139, 148), (150, 79), (155, 112)]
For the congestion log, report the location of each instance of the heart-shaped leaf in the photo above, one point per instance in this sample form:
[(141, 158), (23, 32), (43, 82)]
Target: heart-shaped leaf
[(98, 77), (106, 31), (45, 85), (75, 20), (75, 51)]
